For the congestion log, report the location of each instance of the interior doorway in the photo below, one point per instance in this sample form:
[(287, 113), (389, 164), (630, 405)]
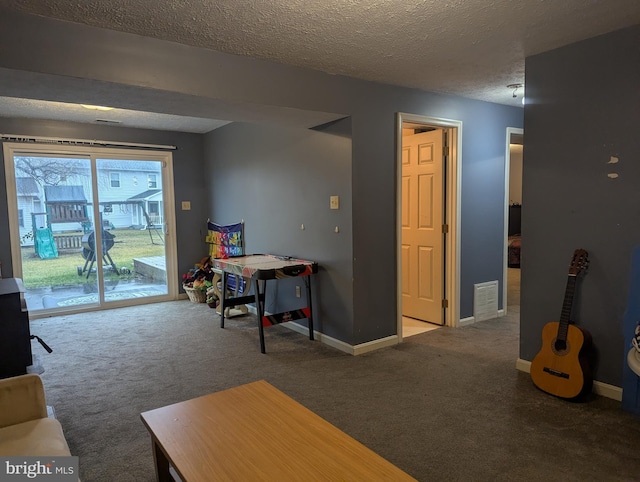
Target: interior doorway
[(427, 223), (513, 225), (422, 219)]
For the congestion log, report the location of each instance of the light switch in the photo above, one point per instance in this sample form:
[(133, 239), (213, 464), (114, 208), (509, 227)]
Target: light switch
[(334, 202), (186, 205)]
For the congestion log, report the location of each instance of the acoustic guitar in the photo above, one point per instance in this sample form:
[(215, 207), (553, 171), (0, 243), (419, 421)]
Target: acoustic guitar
[(561, 368)]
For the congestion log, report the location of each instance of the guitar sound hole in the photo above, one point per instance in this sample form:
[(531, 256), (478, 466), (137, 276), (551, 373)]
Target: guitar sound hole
[(560, 347)]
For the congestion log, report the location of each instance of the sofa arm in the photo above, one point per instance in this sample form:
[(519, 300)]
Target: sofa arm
[(21, 399)]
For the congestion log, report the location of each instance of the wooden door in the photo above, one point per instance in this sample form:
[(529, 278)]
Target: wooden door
[(422, 226)]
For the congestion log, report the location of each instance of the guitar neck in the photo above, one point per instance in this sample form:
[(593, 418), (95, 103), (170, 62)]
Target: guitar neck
[(567, 305)]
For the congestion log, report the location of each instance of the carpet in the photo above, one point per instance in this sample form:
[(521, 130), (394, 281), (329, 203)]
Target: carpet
[(444, 405)]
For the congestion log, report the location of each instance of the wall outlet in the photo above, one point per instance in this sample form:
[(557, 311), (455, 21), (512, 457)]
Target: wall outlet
[(186, 205), (297, 292)]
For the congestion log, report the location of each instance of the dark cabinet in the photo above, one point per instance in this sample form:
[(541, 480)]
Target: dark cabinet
[(15, 336)]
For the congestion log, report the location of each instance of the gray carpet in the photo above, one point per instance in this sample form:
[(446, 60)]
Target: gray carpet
[(444, 405)]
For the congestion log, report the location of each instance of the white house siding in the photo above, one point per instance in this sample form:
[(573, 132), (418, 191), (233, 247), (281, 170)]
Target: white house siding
[(25, 204), (134, 180)]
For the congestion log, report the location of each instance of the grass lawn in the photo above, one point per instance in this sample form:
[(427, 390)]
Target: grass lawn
[(63, 270)]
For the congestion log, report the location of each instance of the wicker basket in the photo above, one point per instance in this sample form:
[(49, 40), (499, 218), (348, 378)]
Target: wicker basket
[(197, 296)]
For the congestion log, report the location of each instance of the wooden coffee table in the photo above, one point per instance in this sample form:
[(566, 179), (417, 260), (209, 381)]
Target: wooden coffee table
[(256, 432)]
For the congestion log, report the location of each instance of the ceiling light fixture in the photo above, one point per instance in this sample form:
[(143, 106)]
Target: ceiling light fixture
[(515, 88), (96, 107)]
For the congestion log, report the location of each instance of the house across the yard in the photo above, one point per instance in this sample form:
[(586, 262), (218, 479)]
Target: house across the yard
[(129, 194)]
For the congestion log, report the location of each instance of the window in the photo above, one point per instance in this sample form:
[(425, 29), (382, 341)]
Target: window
[(114, 179), (155, 216), (21, 217), (152, 181), (154, 208)]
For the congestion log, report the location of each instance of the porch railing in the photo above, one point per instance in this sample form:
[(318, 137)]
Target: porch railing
[(68, 241)]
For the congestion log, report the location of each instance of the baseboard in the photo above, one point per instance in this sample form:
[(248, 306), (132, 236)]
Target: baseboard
[(466, 321), (523, 365), (471, 320), (341, 345), (599, 388), (327, 340), (375, 344)]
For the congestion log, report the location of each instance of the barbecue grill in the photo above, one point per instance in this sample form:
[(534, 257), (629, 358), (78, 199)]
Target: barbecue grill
[(89, 251)]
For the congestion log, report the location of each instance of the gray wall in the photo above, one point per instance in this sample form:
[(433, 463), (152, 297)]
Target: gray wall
[(96, 66), (278, 179), (583, 107), (189, 182)]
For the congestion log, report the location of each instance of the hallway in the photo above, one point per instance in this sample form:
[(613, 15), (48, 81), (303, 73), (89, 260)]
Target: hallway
[(412, 327)]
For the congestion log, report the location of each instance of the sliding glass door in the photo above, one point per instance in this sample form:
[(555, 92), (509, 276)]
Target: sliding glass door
[(90, 227)]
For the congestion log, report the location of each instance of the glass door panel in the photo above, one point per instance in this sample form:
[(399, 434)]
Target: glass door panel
[(132, 247), (55, 219)]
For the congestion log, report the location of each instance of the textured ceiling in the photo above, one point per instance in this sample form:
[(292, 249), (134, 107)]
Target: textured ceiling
[(472, 48)]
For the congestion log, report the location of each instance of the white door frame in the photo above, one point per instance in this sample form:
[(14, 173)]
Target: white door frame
[(507, 173), (452, 214)]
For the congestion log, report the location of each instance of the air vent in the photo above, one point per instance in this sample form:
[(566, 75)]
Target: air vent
[(485, 301)]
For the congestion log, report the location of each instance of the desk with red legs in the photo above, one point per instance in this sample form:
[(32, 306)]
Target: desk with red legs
[(260, 268)]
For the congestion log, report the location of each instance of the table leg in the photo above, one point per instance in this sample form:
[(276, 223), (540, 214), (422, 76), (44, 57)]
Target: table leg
[(260, 312), (223, 298), (307, 282), (161, 463)]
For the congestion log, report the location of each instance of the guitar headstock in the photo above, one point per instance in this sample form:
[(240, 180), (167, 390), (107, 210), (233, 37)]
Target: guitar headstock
[(579, 262)]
